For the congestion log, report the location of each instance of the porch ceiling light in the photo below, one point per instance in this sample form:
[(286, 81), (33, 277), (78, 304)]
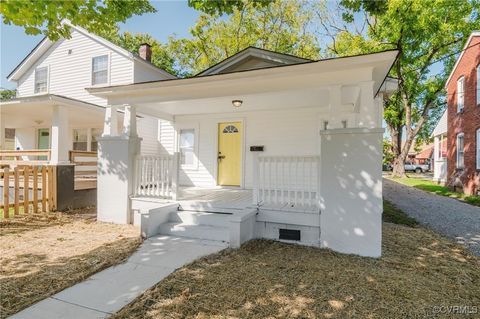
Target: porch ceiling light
[(237, 103)]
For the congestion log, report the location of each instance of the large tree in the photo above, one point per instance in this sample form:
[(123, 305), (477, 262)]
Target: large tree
[(46, 16), (283, 26), (428, 35)]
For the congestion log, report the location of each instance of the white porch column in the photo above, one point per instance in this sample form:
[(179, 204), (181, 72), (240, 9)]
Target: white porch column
[(129, 121), (351, 190), (89, 139), (60, 143), (110, 124), (116, 168), (2, 130)]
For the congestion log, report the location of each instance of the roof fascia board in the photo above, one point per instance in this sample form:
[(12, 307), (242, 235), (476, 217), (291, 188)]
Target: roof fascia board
[(40, 48), (470, 38), (251, 51), (361, 61)]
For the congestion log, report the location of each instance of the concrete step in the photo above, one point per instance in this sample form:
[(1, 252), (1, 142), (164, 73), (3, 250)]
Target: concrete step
[(195, 231), (200, 218)]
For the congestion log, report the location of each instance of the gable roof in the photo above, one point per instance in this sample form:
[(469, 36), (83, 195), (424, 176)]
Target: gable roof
[(275, 58), (442, 125), (46, 44), (474, 34)]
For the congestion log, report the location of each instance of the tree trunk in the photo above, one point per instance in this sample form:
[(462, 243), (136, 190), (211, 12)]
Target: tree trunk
[(400, 155)]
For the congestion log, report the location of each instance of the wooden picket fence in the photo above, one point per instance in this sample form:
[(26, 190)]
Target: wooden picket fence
[(30, 187)]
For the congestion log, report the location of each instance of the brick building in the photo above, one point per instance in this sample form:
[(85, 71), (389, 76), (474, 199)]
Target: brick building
[(463, 89)]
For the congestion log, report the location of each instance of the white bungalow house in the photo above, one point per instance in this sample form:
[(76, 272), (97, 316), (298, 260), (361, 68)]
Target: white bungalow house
[(261, 145), (440, 150)]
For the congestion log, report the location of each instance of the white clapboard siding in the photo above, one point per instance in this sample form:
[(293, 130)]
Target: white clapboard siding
[(282, 132), (289, 181), (70, 64), (147, 129)]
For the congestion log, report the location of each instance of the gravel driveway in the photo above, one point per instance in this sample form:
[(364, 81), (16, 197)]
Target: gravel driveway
[(447, 216)]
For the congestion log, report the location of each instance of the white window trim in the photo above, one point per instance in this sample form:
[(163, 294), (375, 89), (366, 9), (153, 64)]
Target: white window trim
[(478, 85), (462, 81), (108, 69), (195, 129), (35, 79), (458, 153), (478, 148)]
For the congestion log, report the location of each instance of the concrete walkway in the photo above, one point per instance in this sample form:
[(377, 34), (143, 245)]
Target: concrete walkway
[(109, 290), (447, 216)]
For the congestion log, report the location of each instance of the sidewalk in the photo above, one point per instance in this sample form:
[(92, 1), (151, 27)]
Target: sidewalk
[(111, 289)]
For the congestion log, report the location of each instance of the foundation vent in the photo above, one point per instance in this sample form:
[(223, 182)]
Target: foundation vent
[(289, 234)]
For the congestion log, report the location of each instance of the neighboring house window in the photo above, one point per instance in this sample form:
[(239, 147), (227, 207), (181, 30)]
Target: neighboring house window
[(478, 148), (187, 147), (100, 70), (460, 94), (478, 84), (442, 147), (41, 79), (81, 138), (460, 151)]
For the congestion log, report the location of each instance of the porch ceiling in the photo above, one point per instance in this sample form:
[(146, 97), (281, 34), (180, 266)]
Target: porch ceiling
[(38, 112), (301, 85)]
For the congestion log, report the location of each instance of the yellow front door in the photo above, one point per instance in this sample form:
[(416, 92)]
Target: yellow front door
[(229, 153)]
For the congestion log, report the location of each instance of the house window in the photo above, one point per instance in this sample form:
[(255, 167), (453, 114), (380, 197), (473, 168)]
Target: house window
[(187, 147), (81, 139), (478, 148), (230, 129), (478, 84), (460, 151), (460, 94), (100, 70), (41, 79)]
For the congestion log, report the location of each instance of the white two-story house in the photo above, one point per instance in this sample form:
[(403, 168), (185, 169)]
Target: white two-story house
[(53, 110)]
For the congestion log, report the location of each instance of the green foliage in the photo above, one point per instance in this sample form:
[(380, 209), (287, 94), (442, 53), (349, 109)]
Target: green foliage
[(219, 7), (7, 95), (392, 214), (425, 33), (388, 155), (282, 26), (432, 187), (45, 16)]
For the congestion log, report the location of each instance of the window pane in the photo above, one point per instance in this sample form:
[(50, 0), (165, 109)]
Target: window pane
[(100, 63), (478, 85), (80, 140), (460, 151), (478, 148), (460, 94), (186, 143), (100, 69), (41, 75)]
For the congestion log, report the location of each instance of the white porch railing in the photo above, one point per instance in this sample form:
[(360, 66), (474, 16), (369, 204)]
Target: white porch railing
[(156, 176), (286, 180)]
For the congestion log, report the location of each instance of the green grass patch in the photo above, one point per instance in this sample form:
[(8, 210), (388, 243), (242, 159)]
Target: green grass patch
[(392, 214), (432, 187)]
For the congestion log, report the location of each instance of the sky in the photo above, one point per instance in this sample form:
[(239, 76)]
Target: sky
[(172, 17)]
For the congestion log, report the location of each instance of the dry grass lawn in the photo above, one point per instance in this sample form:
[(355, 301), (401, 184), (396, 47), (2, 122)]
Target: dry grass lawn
[(264, 279), (46, 253)]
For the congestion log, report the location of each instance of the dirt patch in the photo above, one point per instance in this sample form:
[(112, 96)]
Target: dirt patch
[(44, 254), (419, 270)]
